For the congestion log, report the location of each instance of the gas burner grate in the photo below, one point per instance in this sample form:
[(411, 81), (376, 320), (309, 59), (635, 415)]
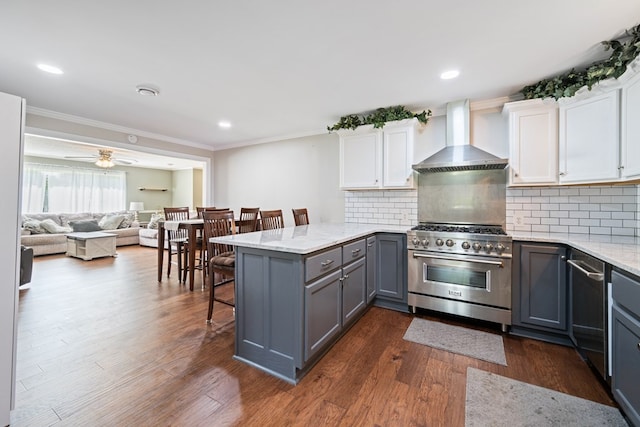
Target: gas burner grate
[(452, 228)]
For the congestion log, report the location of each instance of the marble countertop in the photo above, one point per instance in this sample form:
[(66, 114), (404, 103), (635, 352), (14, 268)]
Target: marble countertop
[(305, 239), (620, 251)]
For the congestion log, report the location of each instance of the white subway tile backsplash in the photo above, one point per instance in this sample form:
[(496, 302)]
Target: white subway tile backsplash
[(382, 207), (579, 214), (599, 230), (596, 209), (578, 229)]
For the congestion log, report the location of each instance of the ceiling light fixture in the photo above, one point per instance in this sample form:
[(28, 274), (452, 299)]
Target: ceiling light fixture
[(104, 161), (147, 90), (50, 69), (451, 74), (224, 124)]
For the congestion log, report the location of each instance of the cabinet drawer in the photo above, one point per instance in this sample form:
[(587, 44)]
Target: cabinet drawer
[(626, 292), (324, 262), (353, 251)]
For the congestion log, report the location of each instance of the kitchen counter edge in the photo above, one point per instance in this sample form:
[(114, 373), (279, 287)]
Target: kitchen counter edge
[(620, 251), (307, 239)]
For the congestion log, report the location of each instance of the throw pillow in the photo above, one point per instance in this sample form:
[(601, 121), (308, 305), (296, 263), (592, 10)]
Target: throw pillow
[(153, 222), (54, 228), (85, 225), (110, 222), (67, 218), (33, 225), (127, 220)]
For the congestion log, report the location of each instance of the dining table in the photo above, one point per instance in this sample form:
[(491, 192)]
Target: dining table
[(191, 225)]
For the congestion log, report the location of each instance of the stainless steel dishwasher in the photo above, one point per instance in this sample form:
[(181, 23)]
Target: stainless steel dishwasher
[(588, 289)]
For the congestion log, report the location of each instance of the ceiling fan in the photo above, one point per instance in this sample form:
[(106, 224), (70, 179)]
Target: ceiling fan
[(104, 159)]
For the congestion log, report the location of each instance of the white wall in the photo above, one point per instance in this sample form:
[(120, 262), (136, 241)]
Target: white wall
[(294, 173), (11, 110)]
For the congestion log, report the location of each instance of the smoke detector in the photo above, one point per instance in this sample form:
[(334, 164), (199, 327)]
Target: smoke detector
[(147, 90)]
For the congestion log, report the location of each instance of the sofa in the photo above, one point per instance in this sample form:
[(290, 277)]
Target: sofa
[(148, 235), (47, 233)]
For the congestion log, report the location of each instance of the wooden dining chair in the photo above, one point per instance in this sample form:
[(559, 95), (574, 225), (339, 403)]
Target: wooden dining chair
[(220, 257), (179, 240), (271, 220), (202, 246), (248, 221), (300, 216)]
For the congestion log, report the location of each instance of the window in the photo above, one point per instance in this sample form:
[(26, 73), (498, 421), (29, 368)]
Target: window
[(57, 188)]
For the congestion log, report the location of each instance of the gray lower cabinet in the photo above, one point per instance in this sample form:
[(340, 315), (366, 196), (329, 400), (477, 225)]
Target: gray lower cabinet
[(291, 308), (540, 292), (625, 344), (372, 263), (322, 312), (391, 271)]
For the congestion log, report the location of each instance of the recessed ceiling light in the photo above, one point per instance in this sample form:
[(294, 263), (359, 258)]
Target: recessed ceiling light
[(451, 74), (224, 124), (50, 69), (147, 91)]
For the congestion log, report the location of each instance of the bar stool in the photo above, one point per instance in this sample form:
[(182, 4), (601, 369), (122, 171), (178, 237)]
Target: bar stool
[(271, 220), (221, 257), (179, 240), (300, 216), (248, 222)]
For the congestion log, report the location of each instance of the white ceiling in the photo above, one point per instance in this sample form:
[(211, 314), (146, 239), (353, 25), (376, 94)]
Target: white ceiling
[(278, 69)]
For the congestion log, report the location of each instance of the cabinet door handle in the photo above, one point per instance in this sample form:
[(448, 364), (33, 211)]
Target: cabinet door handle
[(326, 263), (369, 245), (562, 173), (355, 252), (563, 258), (346, 276), (620, 167), (639, 346)]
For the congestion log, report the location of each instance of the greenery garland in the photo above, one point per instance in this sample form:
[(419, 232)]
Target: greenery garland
[(378, 118), (567, 84)]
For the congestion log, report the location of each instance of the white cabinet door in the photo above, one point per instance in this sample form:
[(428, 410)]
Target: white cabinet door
[(360, 160), (533, 142), (397, 157), (630, 126), (377, 158), (590, 139)]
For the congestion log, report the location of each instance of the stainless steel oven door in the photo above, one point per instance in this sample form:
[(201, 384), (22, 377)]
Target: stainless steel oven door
[(481, 280)]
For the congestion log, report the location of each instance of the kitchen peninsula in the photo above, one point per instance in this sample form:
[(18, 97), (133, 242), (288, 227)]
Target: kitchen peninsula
[(298, 289)]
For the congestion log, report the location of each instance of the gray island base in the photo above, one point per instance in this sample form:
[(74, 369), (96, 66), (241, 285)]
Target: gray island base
[(299, 289)]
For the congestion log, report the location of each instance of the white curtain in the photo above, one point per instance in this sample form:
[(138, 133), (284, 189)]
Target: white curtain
[(56, 188)]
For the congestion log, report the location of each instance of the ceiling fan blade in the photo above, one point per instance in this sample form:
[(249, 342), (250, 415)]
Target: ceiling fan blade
[(123, 162), (81, 157)]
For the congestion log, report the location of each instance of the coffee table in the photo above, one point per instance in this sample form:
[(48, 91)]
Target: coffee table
[(90, 245)]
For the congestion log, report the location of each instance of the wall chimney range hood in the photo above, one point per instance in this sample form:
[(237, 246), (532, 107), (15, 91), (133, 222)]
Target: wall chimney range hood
[(459, 155)]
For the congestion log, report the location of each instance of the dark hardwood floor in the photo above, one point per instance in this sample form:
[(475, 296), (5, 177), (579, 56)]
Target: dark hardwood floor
[(101, 343)]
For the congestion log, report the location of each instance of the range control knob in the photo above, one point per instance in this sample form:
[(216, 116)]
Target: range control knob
[(439, 242), (500, 248), (465, 245), (476, 246), (450, 242), (415, 241), (425, 242), (488, 247)]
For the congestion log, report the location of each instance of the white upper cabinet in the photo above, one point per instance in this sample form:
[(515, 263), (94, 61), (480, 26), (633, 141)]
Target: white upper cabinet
[(533, 142), (378, 158), (630, 129), (590, 139)]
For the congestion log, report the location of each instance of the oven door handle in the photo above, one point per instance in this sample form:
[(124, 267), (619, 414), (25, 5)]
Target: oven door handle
[(480, 261)]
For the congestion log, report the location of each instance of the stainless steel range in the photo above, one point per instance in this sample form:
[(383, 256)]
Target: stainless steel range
[(461, 269), (456, 263)]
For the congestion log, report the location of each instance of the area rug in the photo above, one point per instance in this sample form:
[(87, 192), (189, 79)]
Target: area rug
[(493, 400), (469, 342)]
